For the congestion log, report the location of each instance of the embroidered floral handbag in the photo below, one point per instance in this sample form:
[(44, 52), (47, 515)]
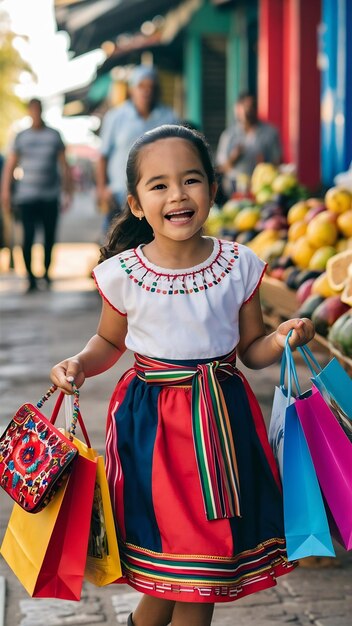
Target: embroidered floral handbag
[(36, 457)]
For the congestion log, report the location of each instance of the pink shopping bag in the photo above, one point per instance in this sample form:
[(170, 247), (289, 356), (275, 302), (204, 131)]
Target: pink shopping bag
[(331, 451)]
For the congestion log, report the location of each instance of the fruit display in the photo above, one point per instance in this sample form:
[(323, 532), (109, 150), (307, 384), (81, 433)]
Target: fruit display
[(326, 313), (339, 270), (306, 242), (269, 181), (340, 333)]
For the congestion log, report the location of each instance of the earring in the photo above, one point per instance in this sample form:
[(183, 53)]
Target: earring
[(141, 217)]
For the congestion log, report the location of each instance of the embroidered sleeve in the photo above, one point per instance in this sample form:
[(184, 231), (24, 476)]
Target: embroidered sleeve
[(109, 280), (252, 271)]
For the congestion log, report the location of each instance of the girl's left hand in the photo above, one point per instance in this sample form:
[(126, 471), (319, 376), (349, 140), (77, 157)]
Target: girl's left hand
[(303, 332)]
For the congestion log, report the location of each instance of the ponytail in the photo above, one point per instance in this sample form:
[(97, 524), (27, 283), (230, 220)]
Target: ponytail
[(126, 232)]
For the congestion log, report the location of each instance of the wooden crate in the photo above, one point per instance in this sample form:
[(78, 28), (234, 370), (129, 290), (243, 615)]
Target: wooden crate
[(278, 301)]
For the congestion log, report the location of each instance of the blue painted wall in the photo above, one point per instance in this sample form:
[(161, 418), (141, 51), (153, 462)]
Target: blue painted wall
[(335, 61)]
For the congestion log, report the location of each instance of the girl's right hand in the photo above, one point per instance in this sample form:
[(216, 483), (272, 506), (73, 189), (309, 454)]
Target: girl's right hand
[(66, 372)]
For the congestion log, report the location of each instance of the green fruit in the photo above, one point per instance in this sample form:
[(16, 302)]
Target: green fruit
[(345, 337), (309, 305), (321, 257), (340, 333)]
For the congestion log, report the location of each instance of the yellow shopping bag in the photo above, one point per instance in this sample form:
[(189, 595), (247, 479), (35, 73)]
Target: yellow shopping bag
[(103, 562), (47, 551)]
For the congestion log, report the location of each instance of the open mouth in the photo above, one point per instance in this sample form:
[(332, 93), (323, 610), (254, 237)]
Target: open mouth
[(180, 216)]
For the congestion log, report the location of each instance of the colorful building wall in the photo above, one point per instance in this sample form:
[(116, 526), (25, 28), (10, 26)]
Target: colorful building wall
[(335, 62), (289, 80), (305, 82)]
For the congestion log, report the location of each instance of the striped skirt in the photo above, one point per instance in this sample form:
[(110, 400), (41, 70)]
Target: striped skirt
[(193, 527)]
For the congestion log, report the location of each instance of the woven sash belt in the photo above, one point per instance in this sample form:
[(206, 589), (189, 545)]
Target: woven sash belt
[(212, 435)]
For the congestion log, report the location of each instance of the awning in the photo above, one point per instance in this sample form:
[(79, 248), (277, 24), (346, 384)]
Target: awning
[(90, 23), (87, 99), (157, 42)]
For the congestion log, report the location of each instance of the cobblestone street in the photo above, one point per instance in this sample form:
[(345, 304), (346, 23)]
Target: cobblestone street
[(40, 329)]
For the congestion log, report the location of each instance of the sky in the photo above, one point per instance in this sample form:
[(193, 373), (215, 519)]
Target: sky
[(46, 51)]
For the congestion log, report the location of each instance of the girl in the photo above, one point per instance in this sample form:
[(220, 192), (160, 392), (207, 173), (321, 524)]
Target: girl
[(194, 485)]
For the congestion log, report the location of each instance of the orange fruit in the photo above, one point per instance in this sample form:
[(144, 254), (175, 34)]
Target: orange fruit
[(321, 286), (321, 233), (338, 269), (302, 252), (296, 230), (346, 295), (297, 212), (344, 223), (338, 200)]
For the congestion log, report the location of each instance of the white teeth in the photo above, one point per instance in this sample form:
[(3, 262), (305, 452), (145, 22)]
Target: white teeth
[(176, 213)]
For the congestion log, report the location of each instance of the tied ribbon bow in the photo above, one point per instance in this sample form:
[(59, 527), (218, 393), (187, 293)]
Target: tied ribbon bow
[(212, 435)]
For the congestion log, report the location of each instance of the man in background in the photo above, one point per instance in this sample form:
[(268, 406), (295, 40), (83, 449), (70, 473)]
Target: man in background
[(121, 126), (39, 153), (246, 143)]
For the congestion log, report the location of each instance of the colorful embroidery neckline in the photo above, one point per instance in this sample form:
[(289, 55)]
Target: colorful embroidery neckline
[(173, 282), (163, 271)]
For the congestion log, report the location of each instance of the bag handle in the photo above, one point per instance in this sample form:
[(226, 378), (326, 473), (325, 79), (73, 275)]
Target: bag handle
[(76, 414), (286, 359), (291, 369), (309, 359), (70, 408)]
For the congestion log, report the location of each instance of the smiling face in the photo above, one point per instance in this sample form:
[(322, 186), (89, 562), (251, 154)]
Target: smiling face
[(173, 191)]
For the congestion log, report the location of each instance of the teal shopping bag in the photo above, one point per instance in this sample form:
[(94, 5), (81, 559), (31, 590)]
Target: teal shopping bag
[(305, 520), (306, 525), (332, 381)]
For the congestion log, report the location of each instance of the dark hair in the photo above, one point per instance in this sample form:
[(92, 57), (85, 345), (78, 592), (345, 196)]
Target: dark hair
[(244, 95), (127, 231), (36, 102)]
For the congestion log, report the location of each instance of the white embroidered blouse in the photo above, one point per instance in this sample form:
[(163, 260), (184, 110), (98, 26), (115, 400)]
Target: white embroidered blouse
[(181, 314)]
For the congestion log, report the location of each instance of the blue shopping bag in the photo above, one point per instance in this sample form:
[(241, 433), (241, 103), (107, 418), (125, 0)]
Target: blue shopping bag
[(332, 380), (305, 520)]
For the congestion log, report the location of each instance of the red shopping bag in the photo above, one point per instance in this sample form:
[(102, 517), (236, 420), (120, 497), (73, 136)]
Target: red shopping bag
[(47, 551)]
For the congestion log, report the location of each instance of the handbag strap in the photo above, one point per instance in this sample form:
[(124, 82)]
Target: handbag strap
[(76, 414), (79, 418)]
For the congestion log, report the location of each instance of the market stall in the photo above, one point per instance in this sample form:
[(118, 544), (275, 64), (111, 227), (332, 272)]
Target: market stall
[(307, 243), (280, 303)]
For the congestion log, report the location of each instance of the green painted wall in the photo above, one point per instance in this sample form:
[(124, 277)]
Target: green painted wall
[(209, 19), (193, 83), (241, 60)]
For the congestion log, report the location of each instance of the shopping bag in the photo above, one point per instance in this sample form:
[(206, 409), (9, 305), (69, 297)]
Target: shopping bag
[(331, 451), (305, 521), (332, 380), (282, 398), (48, 551), (103, 562)]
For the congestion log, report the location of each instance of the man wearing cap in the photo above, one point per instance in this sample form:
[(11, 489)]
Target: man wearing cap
[(121, 126)]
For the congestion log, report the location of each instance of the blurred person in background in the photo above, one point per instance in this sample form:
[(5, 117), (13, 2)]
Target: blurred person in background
[(39, 153), (121, 126), (243, 145)]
